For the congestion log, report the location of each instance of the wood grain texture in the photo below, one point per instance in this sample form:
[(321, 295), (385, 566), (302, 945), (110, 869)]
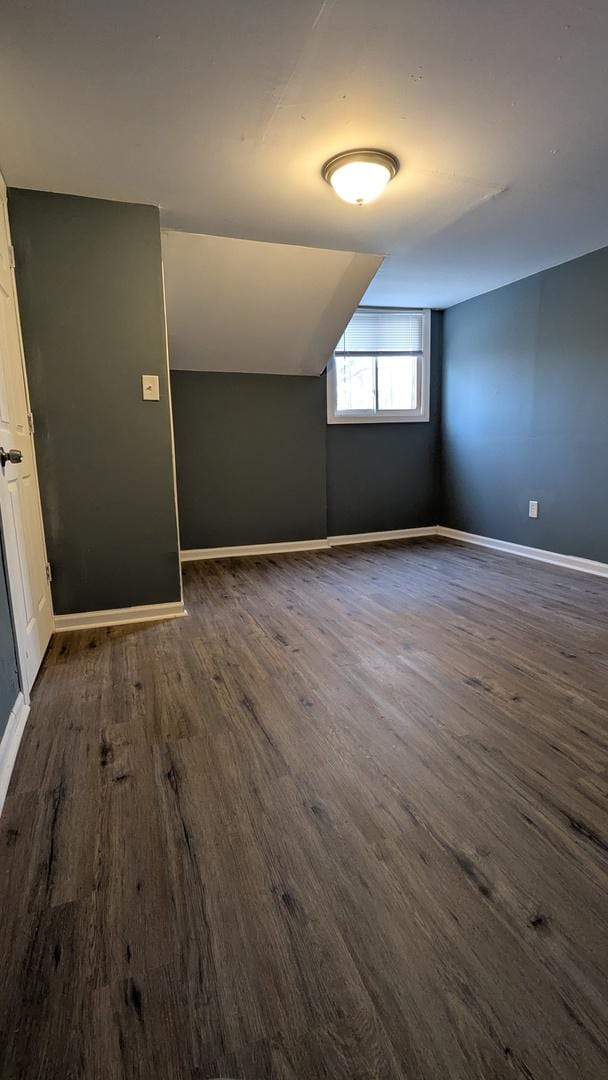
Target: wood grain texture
[(348, 819)]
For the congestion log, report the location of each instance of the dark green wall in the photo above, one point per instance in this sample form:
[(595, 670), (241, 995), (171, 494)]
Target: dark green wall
[(250, 453), (90, 294), (386, 476), (257, 462), (9, 679), (524, 410)]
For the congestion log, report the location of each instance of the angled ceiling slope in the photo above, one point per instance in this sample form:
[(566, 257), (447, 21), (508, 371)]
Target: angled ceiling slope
[(242, 305)]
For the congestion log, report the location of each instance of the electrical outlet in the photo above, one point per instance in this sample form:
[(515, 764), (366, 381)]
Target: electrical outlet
[(533, 508), (149, 388)]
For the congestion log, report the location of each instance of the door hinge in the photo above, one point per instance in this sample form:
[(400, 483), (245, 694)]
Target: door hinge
[(49, 572), (30, 423), (11, 256)]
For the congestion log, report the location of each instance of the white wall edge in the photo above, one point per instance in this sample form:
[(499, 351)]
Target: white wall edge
[(10, 743), (86, 620), (377, 537), (195, 554), (568, 562)]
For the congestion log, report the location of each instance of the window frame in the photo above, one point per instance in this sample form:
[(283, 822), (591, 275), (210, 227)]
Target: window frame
[(421, 414)]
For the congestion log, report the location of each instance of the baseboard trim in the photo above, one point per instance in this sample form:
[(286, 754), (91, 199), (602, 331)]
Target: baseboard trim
[(88, 620), (10, 743), (568, 562), (378, 537), (282, 548), (324, 544)]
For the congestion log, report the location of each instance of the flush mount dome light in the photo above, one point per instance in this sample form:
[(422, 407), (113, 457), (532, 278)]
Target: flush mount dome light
[(358, 176)]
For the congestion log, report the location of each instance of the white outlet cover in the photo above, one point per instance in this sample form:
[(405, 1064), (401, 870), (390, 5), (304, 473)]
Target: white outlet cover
[(533, 508), (149, 388)]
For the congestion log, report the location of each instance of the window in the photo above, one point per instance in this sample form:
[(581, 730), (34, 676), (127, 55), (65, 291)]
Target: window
[(380, 370)]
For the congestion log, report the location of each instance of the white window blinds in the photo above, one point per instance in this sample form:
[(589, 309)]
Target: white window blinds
[(372, 331)]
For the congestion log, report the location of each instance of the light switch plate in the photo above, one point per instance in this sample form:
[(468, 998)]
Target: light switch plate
[(533, 508), (149, 388)]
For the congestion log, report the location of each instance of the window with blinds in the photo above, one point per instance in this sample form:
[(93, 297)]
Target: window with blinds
[(380, 370)]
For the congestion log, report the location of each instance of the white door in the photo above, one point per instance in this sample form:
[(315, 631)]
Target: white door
[(24, 550)]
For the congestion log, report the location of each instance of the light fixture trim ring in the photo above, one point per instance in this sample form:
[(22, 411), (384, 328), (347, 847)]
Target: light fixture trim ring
[(378, 157)]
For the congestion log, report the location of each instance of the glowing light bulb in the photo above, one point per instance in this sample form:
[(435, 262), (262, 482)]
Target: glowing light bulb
[(360, 181), (359, 176)]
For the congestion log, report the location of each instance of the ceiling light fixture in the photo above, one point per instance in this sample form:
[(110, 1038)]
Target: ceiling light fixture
[(358, 176)]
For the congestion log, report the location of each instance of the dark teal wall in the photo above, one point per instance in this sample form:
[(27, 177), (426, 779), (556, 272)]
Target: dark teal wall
[(387, 476), (257, 462), (9, 679), (525, 410), (90, 294), (250, 454), (518, 412)]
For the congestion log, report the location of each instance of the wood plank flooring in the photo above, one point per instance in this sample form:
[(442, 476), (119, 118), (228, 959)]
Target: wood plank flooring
[(348, 819)]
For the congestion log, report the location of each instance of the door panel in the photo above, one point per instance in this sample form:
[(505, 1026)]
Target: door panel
[(19, 496)]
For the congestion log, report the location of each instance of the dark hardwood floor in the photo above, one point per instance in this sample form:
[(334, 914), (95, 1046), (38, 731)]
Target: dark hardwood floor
[(348, 819)]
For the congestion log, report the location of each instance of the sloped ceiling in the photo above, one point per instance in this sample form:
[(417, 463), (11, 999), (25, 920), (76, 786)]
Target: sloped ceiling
[(240, 305), (223, 111)]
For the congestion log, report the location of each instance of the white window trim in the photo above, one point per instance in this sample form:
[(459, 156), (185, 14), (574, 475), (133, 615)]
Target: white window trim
[(404, 416)]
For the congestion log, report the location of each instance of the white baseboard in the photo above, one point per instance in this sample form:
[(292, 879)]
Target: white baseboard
[(569, 562), (194, 554), (87, 620), (378, 537), (10, 743)]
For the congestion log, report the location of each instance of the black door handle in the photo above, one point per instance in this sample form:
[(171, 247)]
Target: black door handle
[(14, 456)]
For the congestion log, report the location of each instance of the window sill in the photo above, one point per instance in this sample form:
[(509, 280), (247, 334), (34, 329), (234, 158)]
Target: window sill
[(362, 419)]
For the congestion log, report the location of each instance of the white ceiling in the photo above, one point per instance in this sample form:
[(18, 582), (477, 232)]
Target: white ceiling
[(242, 305), (223, 112)]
